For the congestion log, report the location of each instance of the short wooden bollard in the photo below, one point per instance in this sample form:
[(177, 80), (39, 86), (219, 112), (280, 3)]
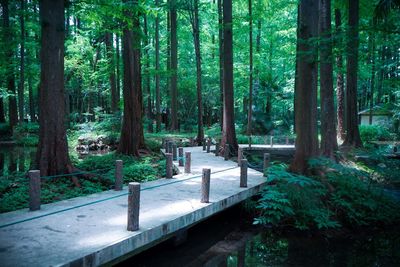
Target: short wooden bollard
[(174, 152), (169, 165), (240, 155), (133, 206), (204, 144), (180, 156), (226, 152), (34, 190), (205, 186), (272, 141), (208, 145), (217, 149), (118, 175), (266, 162), (243, 172), (187, 161)]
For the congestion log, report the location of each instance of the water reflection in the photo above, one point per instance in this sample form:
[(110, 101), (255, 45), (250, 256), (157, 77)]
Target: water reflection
[(14, 159)]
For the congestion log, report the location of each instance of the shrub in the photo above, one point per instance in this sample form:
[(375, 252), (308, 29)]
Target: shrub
[(374, 133)]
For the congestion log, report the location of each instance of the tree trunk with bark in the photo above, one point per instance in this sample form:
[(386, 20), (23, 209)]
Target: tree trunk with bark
[(228, 130), (221, 61), (147, 83), (249, 114), (157, 67), (111, 70), (339, 78), (352, 133), (372, 84), (328, 129), (52, 154), (174, 67), (306, 86), (22, 64)]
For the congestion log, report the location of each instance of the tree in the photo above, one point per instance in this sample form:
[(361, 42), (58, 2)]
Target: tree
[(250, 69), (111, 68), (22, 63), (52, 154), (306, 86), (157, 67), (328, 129), (174, 66), (132, 129), (228, 129), (339, 78), (352, 132), (12, 102), (147, 82), (221, 59), (194, 21)]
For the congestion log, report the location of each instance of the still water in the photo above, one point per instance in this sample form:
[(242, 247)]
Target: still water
[(231, 240)]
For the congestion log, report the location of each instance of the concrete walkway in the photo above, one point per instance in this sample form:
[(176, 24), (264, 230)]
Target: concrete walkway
[(95, 234)]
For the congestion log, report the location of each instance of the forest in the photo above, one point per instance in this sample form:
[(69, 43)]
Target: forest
[(86, 82)]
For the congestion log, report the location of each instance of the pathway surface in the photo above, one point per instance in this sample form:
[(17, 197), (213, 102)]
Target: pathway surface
[(95, 234)]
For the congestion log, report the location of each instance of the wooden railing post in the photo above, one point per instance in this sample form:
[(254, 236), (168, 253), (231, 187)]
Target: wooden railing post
[(204, 144), (34, 190), (240, 155), (226, 152), (205, 186), (187, 161), (208, 145), (169, 165), (174, 152), (217, 149), (243, 172), (180, 156), (272, 141), (133, 206), (118, 175), (266, 162)]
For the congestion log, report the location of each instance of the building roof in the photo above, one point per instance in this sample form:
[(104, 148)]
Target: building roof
[(380, 110)]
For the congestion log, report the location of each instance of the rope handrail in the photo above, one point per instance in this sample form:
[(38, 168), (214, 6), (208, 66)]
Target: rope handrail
[(106, 199)]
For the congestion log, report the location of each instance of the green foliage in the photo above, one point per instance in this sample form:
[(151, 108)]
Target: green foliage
[(5, 130), (374, 133), (26, 134), (343, 195)]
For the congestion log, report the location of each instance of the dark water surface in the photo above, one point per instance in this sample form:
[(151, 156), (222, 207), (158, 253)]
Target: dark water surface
[(230, 240)]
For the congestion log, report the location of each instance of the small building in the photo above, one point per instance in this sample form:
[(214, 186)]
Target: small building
[(381, 114)]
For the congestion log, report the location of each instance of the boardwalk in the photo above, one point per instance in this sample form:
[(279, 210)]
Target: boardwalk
[(90, 235)]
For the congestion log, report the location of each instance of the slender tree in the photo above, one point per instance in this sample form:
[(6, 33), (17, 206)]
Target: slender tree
[(228, 130), (111, 70), (306, 86), (174, 66), (249, 114), (372, 80), (22, 62), (328, 129), (339, 78), (221, 60), (52, 154), (157, 67), (352, 132), (147, 82)]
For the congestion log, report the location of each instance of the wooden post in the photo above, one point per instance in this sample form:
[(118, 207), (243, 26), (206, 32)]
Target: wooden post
[(191, 141), (204, 144), (169, 165), (266, 162), (118, 175), (217, 149), (180, 156), (133, 206), (187, 162), (243, 172), (249, 141), (240, 155), (205, 186), (272, 141), (208, 145), (226, 152), (287, 140), (174, 152), (34, 190)]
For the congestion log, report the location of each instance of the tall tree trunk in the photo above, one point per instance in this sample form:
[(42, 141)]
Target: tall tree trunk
[(118, 75), (52, 154), (174, 68), (221, 60), (12, 102), (228, 130), (196, 38), (306, 86), (22, 63), (372, 85), (147, 83), (158, 93), (328, 129), (111, 71), (132, 119), (2, 114), (339, 78), (249, 114), (352, 132), (31, 100)]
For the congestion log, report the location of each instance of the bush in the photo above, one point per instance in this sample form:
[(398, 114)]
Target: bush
[(374, 133), (26, 134)]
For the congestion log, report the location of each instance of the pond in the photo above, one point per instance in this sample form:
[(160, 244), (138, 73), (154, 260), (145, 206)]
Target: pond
[(229, 239)]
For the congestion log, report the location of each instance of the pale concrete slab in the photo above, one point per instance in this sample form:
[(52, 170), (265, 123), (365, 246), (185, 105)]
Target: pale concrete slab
[(93, 234)]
